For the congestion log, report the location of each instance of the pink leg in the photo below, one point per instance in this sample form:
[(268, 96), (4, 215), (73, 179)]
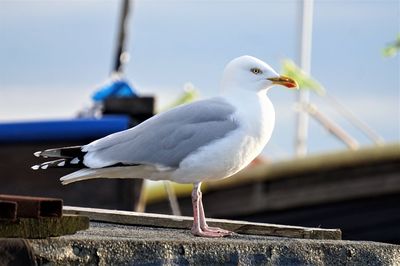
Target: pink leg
[(203, 223), (200, 227)]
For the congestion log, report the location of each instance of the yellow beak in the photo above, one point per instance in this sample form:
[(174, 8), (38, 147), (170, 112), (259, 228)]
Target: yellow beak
[(285, 81)]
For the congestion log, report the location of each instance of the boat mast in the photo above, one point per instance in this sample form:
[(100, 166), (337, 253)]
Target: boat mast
[(121, 55), (303, 97)]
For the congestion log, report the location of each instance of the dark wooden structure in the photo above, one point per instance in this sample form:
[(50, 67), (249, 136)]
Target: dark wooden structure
[(356, 191), (16, 159)]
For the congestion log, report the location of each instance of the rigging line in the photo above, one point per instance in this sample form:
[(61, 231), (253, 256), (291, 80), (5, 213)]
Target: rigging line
[(353, 119)]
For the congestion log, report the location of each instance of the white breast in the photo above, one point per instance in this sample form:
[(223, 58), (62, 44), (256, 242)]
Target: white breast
[(225, 157)]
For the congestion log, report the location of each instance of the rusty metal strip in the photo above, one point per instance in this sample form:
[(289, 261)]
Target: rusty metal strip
[(8, 210), (35, 207)]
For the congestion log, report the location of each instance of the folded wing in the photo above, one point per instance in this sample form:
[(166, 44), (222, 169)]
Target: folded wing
[(165, 139)]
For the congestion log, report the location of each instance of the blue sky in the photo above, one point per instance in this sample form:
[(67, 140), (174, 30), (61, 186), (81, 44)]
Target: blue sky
[(53, 54)]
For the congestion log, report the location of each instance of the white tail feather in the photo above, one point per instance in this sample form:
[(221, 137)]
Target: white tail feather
[(79, 175), (137, 171)]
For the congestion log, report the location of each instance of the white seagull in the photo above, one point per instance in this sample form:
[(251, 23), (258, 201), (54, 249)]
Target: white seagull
[(205, 140)]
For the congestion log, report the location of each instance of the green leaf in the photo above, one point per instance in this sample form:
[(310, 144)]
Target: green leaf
[(305, 81), (188, 95), (393, 48)]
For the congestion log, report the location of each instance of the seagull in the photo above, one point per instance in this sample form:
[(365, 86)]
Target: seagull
[(204, 140)]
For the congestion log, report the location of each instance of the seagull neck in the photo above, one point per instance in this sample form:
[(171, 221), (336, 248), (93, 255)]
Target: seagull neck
[(241, 97)]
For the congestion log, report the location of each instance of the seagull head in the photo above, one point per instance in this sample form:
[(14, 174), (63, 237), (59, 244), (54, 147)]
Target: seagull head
[(249, 73)]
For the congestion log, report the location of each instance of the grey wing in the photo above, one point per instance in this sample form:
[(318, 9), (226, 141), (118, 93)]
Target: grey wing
[(167, 138)]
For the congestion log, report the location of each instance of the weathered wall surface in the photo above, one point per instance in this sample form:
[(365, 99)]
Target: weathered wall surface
[(105, 244)]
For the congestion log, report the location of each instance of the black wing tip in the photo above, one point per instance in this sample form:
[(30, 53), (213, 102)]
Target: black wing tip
[(64, 152), (60, 163)]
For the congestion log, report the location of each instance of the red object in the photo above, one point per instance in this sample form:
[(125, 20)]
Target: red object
[(34, 207)]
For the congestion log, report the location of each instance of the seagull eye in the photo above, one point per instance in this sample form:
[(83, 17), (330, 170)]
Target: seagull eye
[(256, 71)]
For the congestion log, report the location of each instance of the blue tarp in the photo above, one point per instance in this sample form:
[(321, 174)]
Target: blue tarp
[(62, 130), (117, 88)]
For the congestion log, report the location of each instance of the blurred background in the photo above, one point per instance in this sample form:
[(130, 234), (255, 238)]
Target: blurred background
[(59, 59), (54, 54)]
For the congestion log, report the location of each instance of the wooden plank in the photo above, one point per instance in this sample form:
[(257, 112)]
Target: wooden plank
[(311, 190), (311, 164), (44, 226), (184, 222)]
